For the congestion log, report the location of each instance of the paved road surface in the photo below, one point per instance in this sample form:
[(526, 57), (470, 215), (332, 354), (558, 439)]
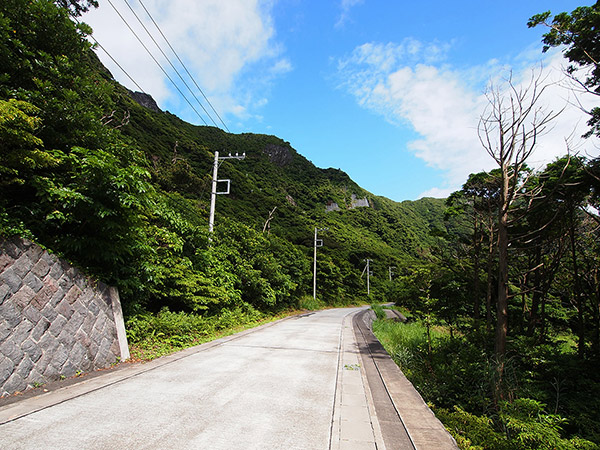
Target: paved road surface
[(295, 384)]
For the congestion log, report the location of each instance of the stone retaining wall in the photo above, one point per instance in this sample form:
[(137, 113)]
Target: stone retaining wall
[(54, 320)]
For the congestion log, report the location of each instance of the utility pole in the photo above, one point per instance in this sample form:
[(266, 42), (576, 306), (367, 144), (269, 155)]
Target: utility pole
[(368, 270), (391, 271), (318, 243), (213, 195)]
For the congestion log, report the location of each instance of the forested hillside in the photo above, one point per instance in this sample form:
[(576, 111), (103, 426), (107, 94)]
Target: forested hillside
[(123, 190), (501, 280)]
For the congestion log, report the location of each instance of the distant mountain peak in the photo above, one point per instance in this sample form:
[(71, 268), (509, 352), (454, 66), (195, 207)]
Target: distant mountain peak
[(145, 100)]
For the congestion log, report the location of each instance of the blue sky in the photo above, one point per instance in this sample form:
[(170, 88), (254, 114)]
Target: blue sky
[(388, 91)]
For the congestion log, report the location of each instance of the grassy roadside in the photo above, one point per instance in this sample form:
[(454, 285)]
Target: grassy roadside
[(151, 336), (458, 379)]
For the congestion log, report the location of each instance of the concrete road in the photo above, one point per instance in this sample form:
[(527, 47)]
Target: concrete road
[(294, 384)]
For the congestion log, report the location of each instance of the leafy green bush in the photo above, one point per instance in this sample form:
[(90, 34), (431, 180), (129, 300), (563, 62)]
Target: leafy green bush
[(310, 303), (154, 335), (479, 409)]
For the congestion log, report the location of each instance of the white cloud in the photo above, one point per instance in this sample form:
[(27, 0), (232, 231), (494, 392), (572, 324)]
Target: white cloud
[(217, 40), (346, 6), (410, 85), (281, 67)]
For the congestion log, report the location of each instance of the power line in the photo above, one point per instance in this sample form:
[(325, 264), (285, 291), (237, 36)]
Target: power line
[(169, 61), (112, 58), (156, 61), (182, 64)]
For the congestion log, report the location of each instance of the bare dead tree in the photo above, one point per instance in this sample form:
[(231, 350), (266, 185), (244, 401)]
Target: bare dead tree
[(107, 119), (509, 130), (267, 226)]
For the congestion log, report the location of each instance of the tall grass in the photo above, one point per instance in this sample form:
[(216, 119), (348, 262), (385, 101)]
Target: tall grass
[(406, 343), (153, 335)]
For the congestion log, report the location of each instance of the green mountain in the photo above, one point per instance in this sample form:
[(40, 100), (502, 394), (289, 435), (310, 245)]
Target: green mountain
[(124, 189)]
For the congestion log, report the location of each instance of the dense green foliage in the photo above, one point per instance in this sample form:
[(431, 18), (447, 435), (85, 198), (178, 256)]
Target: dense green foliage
[(539, 405), (542, 391), (577, 33), (123, 191)]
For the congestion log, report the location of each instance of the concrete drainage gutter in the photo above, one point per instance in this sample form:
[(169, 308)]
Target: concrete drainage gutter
[(405, 419)]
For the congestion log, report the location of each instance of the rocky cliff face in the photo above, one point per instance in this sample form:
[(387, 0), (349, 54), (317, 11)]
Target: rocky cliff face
[(359, 202), (354, 203), (278, 154), (145, 100)]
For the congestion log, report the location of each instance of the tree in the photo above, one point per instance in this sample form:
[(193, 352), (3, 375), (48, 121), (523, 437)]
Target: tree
[(478, 200), (509, 130), (578, 31), (77, 7)]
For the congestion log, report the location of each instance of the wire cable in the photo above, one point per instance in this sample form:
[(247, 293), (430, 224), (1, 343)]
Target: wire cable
[(169, 61), (112, 58), (182, 64), (156, 61)]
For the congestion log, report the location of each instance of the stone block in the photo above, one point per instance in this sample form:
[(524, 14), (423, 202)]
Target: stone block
[(65, 282), (115, 349), (58, 297), (22, 266), (24, 368), (77, 354), (40, 329), (32, 314), (64, 309), (86, 364), (72, 273), (51, 373), (5, 330), (59, 358), (44, 296), (32, 350), (12, 351), (41, 268), (73, 294), (23, 297), (35, 377), (82, 337), (66, 336), (5, 261), (56, 270), (93, 307), (22, 331), (49, 312), (34, 253), (77, 320), (88, 323), (11, 279), (106, 299), (93, 350), (100, 323), (9, 314), (14, 384), (48, 344), (86, 296), (57, 325), (69, 369), (5, 292), (50, 259), (43, 363), (33, 282), (81, 281), (7, 367), (14, 247)]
